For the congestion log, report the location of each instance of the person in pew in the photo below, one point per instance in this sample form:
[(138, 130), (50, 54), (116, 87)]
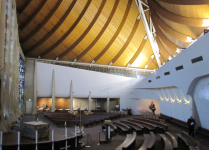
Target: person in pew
[(152, 107), (191, 124)]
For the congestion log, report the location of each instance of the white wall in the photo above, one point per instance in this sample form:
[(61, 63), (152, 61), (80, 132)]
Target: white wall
[(202, 103)]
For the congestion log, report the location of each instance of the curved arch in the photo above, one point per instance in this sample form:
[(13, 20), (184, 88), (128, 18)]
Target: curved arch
[(138, 51), (28, 51), (117, 32), (67, 33), (85, 32), (197, 22), (164, 38), (127, 42), (33, 15), (24, 7), (186, 2), (100, 33), (167, 29), (42, 24)]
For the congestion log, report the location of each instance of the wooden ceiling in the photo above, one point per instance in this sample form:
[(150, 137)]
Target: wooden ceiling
[(107, 30)]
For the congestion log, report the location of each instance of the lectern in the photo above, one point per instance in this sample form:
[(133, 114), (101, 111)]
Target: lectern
[(107, 127)]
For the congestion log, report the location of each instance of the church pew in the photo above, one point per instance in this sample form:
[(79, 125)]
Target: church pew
[(179, 122), (122, 126), (128, 143), (167, 118), (202, 131), (188, 140), (149, 141), (159, 124), (169, 140), (150, 128), (135, 126), (146, 123)]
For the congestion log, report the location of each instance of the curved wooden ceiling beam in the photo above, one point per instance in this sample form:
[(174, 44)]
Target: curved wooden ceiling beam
[(186, 2), (24, 6), (164, 38), (85, 32), (127, 41), (116, 33), (100, 33), (150, 61), (32, 16), (28, 51), (41, 24), (68, 32), (138, 51), (197, 22), (164, 53), (167, 29)]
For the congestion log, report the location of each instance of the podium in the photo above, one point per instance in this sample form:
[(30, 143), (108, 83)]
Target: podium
[(107, 132)]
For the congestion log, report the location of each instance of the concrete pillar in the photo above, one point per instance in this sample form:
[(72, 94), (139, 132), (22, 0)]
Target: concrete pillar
[(53, 92), (71, 96), (35, 89), (108, 104), (89, 101)]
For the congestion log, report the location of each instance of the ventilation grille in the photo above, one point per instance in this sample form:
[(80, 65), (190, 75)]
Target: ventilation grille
[(166, 73), (179, 67), (158, 77), (149, 81), (194, 60)]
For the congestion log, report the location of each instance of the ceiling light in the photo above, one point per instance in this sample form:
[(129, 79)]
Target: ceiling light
[(152, 56), (189, 39), (146, 66), (205, 22), (169, 58), (178, 50)]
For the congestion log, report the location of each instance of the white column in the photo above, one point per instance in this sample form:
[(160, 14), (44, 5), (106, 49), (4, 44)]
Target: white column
[(89, 101), (71, 96), (35, 89), (108, 104), (53, 92)]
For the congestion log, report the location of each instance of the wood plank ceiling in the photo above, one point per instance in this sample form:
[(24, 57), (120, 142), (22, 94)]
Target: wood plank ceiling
[(108, 30)]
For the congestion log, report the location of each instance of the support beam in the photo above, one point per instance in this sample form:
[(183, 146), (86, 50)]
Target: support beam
[(149, 33), (196, 22), (40, 26), (33, 15), (100, 33), (39, 43), (53, 92), (85, 32), (67, 33), (127, 42), (71, 95), (116, 33)]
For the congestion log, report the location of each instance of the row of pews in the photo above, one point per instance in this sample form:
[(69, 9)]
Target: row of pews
[(71, 119), (136, 125)]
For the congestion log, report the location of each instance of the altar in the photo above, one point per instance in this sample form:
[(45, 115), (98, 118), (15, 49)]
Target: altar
[(28, 129)]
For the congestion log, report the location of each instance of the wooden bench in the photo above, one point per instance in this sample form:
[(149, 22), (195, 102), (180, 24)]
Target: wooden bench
[(202, 131), (133, 125), (147, 123), (169, 140), (149, 141), (167, 118), (159, 124), (179, 122), (128, 143), (122, 126), (197, 147), (151, 128), (188, 140)]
